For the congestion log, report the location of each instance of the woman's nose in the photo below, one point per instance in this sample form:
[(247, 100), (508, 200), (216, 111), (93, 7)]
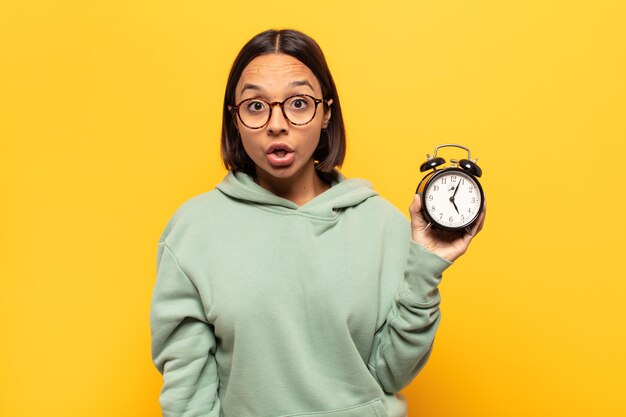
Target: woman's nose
[(278, 123)]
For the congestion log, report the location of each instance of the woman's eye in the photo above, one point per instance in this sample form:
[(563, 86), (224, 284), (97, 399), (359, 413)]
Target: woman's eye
[(256, 106), (299, 103)]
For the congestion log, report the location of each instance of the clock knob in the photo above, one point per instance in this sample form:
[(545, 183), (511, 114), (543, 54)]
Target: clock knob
[(471, 167), (432, 163)]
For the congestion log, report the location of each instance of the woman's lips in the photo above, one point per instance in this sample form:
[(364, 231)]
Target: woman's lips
[(280, 158), (280, 154)]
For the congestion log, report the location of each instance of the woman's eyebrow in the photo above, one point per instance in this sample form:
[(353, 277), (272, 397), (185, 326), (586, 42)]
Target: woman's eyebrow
[(299, 83), (251, 87), (256, 87)]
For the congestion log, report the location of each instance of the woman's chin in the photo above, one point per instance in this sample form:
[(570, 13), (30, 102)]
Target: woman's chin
[(283, 172)]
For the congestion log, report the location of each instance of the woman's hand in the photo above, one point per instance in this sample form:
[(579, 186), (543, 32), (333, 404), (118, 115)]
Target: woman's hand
[(448, 245)]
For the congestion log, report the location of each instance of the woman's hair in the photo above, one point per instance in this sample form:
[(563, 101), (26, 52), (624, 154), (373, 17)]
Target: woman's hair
[(331, 149)]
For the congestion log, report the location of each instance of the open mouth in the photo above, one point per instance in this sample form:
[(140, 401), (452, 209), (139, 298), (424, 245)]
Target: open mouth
[(280, 154), (279, 149)]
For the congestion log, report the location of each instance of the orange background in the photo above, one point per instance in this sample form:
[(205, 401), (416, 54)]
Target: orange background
[(110, 119)]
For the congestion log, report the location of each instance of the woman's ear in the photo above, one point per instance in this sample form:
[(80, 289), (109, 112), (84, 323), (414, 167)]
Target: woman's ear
[(327, 114)]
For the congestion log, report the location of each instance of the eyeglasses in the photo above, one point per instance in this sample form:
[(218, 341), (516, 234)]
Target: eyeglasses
[(299, 110)]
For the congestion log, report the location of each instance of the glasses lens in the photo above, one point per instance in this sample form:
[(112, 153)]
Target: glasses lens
[(254, 112), (300, 109)]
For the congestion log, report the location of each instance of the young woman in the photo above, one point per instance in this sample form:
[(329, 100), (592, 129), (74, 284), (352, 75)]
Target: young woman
[(290, 290)]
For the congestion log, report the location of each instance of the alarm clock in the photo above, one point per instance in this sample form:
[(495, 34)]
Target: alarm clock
[(452, 198)]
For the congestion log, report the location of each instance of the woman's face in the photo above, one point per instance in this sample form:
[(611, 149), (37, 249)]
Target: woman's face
[(280, 150)]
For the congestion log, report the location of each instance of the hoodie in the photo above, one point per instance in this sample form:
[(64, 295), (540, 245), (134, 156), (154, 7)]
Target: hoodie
[(263, 308)]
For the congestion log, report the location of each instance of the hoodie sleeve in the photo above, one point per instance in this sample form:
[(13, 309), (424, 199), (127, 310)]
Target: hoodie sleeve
[(402, 345), (183, 343)]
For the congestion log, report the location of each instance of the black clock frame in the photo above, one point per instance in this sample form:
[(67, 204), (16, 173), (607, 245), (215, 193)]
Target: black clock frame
[(432, 176)]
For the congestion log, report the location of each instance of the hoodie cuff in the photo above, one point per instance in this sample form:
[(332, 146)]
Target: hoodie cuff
[(423, 275)]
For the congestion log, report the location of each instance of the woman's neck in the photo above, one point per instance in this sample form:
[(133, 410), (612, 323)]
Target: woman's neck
[(300, 188)]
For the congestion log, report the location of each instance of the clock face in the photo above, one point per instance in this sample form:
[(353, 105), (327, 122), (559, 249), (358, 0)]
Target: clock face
[(452, 199)]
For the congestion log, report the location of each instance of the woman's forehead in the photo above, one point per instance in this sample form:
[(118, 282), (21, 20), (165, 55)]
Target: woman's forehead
[(272, 72)]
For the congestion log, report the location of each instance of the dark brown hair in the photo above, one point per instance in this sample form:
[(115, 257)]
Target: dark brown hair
[(331, 149)]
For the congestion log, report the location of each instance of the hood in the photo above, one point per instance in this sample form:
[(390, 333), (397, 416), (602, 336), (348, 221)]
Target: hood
[(342, 194)]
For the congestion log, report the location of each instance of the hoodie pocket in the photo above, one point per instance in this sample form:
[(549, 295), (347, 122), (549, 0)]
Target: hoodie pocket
[(374, 408)]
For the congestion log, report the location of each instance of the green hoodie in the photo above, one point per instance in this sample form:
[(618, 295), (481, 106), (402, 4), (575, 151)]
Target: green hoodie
[(263, 308)]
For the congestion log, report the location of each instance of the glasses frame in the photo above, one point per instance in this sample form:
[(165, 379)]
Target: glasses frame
[(316, 101)]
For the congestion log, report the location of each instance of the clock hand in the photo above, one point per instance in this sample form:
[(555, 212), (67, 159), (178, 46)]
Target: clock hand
[(455, 207), (452, 199), (454, 204), (457, 189)]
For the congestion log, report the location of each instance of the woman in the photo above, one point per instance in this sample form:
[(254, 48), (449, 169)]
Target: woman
[(290, 290)]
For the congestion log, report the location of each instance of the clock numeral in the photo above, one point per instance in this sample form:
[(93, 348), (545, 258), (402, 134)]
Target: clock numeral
[(432, 208), (451, 219), (453, 178), (436, 188), (440, 216), (462, 181), (469, 210), (462, 217), (473, 199), (430, 198), (471, 189), (444, 180)]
